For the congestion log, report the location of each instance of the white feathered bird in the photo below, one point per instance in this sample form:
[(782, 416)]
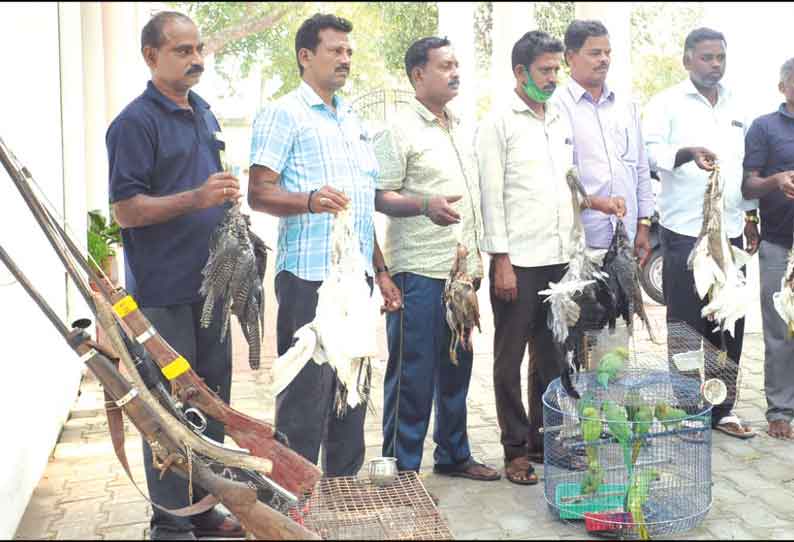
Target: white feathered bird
[(784, 299)]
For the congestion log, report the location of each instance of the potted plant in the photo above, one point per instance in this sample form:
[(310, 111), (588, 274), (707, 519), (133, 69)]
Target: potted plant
[(103, 239)]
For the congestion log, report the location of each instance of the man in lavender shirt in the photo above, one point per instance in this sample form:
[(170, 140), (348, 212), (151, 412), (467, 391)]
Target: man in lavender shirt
[(608, 145)]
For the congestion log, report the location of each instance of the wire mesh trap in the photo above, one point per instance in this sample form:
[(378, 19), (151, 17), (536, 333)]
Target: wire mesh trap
[(353, 508), (632, 459)]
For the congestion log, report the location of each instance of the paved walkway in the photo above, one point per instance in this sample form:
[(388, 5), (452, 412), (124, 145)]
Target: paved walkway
[(84, 493)]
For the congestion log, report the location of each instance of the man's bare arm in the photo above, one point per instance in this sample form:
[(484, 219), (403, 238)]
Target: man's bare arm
[(754, 186), (265, 194), (436, 208), (143, 210)]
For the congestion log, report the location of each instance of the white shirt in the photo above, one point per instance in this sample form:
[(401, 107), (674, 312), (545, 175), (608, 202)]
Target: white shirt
[(526, 203), (682, 117)]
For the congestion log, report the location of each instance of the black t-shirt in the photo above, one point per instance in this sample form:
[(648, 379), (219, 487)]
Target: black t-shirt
[(157, 148), (769, 148)]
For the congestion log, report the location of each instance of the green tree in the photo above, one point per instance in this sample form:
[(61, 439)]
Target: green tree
[(261, 35), (554, 17)]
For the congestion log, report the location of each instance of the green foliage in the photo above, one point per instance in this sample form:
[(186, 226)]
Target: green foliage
[(102, 237), (658, 30), (483, 44), (382, 31), (554, 17)]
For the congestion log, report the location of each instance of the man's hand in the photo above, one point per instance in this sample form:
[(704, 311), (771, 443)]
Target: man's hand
[(392, 297), (703, 158), (753, 237), (785, 182), (611, 205), (642, 244), (328, 200), (440, 212), (217, 189), (504, 283)]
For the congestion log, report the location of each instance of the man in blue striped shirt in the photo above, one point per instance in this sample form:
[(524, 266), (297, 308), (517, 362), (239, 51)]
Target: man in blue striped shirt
[(311, 158)]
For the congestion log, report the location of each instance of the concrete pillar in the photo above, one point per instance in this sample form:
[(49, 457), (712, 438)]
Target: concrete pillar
[(616, 16), (511, 20), (74, 202), (94, 108), (456, 22)]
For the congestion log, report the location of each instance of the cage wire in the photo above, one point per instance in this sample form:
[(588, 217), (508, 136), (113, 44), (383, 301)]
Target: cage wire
[(591, 481), (353, 508)]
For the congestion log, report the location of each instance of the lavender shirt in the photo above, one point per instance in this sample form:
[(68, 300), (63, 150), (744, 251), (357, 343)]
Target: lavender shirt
[(610, 154)]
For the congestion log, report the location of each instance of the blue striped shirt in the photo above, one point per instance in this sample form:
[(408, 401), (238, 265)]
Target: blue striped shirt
[(299, 137)]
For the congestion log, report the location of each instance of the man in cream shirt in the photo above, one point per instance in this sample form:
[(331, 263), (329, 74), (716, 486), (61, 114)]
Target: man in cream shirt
[(687, 128), (524, 149), (428, 188)]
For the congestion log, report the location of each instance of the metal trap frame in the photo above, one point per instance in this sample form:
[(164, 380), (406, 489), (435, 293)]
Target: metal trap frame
[(354, 508)]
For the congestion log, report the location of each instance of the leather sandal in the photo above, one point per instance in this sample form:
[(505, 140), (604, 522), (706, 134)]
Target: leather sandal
[(518, 466)]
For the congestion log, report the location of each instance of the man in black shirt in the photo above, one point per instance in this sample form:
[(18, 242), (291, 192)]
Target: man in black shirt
[(769, 175)]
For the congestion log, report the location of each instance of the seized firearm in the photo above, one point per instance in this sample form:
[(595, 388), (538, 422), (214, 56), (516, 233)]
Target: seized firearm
[(290, 470), (174, 447)]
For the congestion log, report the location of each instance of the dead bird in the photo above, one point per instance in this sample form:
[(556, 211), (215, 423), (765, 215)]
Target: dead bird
[(716, 264), (233, 274), (462, 308), (621, 295)]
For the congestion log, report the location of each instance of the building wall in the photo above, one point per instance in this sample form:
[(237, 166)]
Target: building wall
[(42, 373)]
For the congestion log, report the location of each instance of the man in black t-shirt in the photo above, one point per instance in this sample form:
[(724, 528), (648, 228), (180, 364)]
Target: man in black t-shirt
[(168, 194), (769, 175)]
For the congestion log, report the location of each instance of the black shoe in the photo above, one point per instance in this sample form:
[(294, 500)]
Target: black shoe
[(164, 533)]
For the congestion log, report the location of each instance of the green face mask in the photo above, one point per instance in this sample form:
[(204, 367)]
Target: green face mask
[(533, 91)]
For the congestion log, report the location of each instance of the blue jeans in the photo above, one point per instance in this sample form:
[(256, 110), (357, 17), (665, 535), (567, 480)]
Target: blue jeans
[(424, 375)]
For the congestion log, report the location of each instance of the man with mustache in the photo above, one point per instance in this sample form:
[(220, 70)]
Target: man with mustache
[(428, 188), (168, 193), (524, 149), (311, 157), (607, 141), (769, 175), (688, 127)]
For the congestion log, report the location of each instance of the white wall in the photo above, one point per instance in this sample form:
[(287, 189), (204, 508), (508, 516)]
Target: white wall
[(42, 371)]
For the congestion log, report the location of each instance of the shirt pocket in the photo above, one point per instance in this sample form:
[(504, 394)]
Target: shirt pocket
[(625, 144)]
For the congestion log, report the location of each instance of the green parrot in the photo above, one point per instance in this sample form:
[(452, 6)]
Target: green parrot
[(637, 496), (670, 417), (591, 432), (610, 365), (617, 422), (632, 401), (643, 420), (592, 480)]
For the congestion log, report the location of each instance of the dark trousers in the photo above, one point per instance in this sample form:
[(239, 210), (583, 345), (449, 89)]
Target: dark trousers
[(684, 305), (305, 408), (211, 359), (423, 375), (517, 324)]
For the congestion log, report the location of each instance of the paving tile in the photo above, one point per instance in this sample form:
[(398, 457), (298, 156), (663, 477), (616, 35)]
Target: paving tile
[(136, 531), (86, 512)]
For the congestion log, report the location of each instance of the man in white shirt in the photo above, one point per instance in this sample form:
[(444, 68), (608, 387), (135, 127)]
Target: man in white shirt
[(687, 128), (524, 148)]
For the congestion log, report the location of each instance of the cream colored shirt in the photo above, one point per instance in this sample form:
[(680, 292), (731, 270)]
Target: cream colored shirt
[(419, 157), (526, 203)]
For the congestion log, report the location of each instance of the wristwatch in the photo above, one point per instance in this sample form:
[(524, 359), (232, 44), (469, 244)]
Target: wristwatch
[(645, 221), (751, 217), (384, 269)]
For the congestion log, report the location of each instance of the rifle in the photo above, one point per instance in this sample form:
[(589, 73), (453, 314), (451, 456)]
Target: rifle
[(290, 470), (173, 446)]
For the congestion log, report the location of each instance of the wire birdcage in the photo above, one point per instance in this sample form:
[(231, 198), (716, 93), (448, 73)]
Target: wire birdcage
[(354, 508), (590, 480)]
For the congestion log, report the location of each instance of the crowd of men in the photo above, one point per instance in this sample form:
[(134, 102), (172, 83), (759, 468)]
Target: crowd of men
[(501, 190)]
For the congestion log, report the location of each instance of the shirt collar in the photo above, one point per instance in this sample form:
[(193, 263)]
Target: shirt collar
[(578, 92), (313, 99), (168, 104), (688, 87), (785, 112), (519, 106), (428, 115)]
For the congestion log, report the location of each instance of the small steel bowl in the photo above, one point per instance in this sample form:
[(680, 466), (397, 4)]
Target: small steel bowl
[(382, 471)]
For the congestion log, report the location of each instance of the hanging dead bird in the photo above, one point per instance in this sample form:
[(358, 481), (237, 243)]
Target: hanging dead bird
[(233, 274), (621, 295), (462, 308), (716, 264), (784, 299)]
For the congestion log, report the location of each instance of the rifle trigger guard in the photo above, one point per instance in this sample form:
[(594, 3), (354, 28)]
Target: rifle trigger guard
[(198, 427), (129, 396), (88, 355)]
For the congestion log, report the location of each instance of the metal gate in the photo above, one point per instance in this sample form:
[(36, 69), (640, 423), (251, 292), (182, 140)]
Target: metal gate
[(377, 106)]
